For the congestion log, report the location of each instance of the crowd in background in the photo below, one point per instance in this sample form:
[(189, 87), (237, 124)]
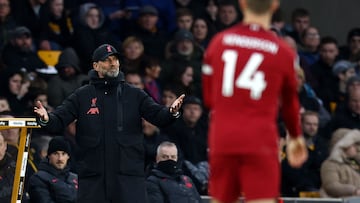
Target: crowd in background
[(162, 44)]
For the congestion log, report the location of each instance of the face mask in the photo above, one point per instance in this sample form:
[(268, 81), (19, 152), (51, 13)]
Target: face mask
[(169, 166)]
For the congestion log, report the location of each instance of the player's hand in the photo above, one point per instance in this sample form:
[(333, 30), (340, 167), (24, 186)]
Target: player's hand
[(176, 105), (41, 112), (297, 152)]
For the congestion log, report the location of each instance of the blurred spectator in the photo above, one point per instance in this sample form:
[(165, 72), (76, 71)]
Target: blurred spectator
[(325, 81), (4, 104), (19, 52), (183, 51), (14, 89), (349, 115), (166, 182), (152, 139), (310, 44), (353, 82), (197, 7), (184, 18), (183, 77), (40, 145), (29, 13), (90, 33), (57, 28), (307, 177), (134, 78), (299, 60), (343, 70), (34, 95), (278, 22), (54, 182), (190, 134), (165, 8), (352, 48), (69, 77), (211, 13), (309, 101), (227, 16), (7, 22), (154, 38), (340, 171), (170, 93), (7, 172), (300, 20), (150, 71), (133, 52), (202, 31)]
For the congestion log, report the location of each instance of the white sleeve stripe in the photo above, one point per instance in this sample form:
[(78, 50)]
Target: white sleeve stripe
[(207, 69)]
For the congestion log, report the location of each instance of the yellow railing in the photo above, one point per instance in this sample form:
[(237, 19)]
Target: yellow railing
[(25, 125)]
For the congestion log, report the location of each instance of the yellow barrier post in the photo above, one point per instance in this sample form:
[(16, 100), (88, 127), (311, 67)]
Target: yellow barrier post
[(25, 125)]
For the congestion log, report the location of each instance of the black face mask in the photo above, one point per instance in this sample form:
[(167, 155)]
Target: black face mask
[(169, 167)]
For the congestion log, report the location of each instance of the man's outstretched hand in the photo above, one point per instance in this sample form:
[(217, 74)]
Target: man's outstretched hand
[(41, 112), (176, 105), (296, 151)]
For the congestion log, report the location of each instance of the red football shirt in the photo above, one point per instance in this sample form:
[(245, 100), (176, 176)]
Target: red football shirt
[(247, 74)]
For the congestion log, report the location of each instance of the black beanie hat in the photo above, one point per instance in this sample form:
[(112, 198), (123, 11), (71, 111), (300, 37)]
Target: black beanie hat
[(58, 144)]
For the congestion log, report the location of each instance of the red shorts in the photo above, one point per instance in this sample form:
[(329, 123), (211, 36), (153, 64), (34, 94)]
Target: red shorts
[(253, 176)]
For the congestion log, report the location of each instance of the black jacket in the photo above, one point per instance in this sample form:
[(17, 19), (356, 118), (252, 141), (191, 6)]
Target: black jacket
[(110, 151), (163, 188), (50, 185)]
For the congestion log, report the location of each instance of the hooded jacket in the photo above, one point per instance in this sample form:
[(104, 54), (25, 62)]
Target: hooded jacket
[(50, 185), (109, 136), (164, 188), (340, 175), (61, 86)]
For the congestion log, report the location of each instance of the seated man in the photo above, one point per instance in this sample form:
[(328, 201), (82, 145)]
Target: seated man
[(166, 182), (54, 182)]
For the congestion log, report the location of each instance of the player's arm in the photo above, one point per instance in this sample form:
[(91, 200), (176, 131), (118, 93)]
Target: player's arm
[(296, 147)]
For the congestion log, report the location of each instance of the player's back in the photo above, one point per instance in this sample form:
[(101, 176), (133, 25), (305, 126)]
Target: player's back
[(246, 70)]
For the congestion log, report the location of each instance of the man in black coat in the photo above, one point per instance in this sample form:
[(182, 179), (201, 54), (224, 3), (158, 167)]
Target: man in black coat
[(166, 184), (54, 183), (110, 152)]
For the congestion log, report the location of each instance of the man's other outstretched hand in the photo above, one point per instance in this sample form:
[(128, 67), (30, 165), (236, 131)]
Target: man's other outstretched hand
[(41, 112), (176, 105)]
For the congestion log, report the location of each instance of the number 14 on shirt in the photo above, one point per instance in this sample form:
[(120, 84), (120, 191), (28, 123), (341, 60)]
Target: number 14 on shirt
[(249, 78)]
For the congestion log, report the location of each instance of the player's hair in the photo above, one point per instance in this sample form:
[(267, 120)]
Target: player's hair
[(259, 6)]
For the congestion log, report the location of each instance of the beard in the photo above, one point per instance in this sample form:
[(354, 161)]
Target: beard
[(113, 73)]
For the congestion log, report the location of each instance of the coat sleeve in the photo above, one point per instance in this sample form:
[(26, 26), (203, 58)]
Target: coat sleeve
[(153, 112), (39, 191), (154, 192), (330, 177), (64, 114)]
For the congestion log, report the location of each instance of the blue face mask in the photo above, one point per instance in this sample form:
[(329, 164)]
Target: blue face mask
[(169, 167)]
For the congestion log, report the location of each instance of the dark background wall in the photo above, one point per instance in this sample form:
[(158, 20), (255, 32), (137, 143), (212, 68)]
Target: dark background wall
[(331, 17)]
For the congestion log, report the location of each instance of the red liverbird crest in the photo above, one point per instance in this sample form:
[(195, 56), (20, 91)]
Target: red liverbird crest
[(108, 48), (93, 108)]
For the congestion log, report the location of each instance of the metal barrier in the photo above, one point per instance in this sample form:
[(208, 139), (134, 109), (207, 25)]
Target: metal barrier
[(25, 125)]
